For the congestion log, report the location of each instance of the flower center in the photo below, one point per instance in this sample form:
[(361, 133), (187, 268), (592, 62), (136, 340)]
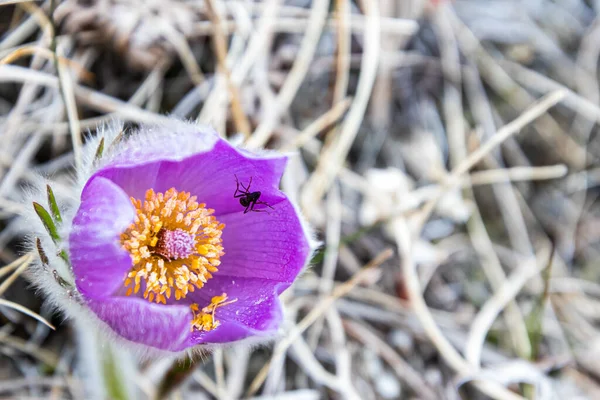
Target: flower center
[(175, 244)]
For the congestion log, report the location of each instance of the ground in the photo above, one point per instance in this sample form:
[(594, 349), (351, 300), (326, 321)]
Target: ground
[(445, 152)]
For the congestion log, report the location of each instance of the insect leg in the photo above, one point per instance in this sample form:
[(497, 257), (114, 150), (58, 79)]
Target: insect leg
[(266, 204), (237, 189), (258, 202)]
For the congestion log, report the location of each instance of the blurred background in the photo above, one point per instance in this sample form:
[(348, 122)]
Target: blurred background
[(446, 153)]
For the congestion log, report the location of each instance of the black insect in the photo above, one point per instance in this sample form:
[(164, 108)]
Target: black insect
[(247, 198)]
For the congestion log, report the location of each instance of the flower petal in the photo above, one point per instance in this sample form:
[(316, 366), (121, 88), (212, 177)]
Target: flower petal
[(99, 262), (137, 320), (210, 176), (134, 181), (264, 251), (213, 179), (255, 312), (268, 245)]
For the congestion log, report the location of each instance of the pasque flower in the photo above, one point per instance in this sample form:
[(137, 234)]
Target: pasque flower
[(177, 239)]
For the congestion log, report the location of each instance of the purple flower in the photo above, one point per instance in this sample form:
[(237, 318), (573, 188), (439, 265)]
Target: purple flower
[(164, 254)]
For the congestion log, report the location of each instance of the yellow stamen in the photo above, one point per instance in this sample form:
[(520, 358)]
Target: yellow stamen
[(175, 244), (204, 320)]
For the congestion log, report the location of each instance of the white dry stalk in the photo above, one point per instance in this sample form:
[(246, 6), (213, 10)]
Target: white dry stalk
[(43, 355), (237, 370), (517, 371), (393, 27), (332, 157), (343, 358), (444, 347), (331, 116), (412, 200), (515, 322), (402, 368), (380, 110), (516, 174), (97, 100), (182, 47), (20, 164), (14, 119), (206, 382), (540, 83), (315, 314), (257, 46), (505, 294), (258, 41), (333, 234), (305, 357), (223, 54), (66, 82), (507, 201), (26, 311), (500, 81), (404, 239), (296, 75), (24, 30), (19, 265), (533, 112), (217, 357), (344, 38), (458, 151)]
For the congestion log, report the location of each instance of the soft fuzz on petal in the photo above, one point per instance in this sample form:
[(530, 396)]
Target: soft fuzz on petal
[(158, 326), (98, 260), (158, 143)]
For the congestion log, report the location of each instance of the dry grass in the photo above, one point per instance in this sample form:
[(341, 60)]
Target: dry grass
[(450, 147)]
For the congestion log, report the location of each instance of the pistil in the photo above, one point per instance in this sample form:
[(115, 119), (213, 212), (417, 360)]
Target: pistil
[(175, 245)]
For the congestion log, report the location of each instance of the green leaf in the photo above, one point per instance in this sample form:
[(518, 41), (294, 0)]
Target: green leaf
[(536, 316), (99, 150), (318, 256), (63, 254), (47, 221), (346, 240), (116, 388), (50, 227), (53, 206)]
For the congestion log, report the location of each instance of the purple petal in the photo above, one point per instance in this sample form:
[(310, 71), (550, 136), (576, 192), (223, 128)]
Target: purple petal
[(99, 262), (210, 176), (256, 311), (226, 332), (214, 173), (264, 251), (268, 245), (134, 181), (137, 320)]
